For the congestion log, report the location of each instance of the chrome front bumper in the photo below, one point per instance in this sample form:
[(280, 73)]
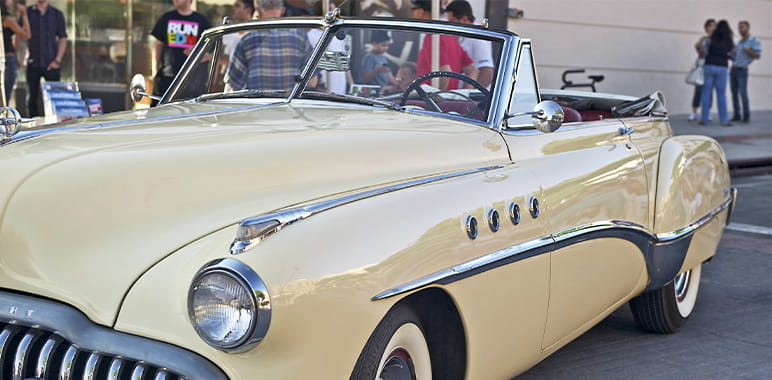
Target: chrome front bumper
[(48, 340)]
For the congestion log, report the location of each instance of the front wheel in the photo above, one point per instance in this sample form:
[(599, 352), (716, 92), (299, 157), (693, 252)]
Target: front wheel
[(666, 309), (396, 350)]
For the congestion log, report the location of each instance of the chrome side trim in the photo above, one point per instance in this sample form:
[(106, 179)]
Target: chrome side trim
[(733, 195), (663, 252), (276, 221), (83, 335), (688, 229)]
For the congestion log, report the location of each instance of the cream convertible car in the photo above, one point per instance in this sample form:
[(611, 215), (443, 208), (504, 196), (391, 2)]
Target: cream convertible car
[(245, 231)]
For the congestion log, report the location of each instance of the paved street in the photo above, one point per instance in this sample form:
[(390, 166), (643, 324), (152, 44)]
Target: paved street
[(728, 337)]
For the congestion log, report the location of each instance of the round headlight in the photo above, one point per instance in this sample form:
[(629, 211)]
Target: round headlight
[(229, 306)]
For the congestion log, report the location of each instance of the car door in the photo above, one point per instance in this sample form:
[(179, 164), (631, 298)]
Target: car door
[(590, 174)]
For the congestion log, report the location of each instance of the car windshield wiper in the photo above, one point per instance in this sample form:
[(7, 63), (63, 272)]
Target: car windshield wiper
[(350, 98), (250, 93)]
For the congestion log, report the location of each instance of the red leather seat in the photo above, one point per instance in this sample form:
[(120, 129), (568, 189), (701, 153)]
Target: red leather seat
[(589, 115), (571, 115)]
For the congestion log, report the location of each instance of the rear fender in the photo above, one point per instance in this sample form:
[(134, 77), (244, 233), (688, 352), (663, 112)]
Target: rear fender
[(692, 182)]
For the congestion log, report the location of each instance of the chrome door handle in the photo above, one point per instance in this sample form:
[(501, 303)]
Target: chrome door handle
[(624, 131)]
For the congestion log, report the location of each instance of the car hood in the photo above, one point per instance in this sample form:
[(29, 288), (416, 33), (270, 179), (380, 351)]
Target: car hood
[(85, 211)]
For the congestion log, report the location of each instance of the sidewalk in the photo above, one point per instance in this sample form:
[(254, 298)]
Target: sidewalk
[(745, 144)]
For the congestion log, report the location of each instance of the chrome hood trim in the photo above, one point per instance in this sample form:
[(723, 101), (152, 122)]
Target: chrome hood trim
[(268, 224), (663, 252)]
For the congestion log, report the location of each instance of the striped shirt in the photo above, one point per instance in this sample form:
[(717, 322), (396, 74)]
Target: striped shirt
[(268, 59)]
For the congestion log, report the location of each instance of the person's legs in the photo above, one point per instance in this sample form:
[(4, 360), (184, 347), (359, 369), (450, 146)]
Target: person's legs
[(34, 107), (742, 86), (721, 77), (10, 77), (707, 88), (733, 74), (696, 99)]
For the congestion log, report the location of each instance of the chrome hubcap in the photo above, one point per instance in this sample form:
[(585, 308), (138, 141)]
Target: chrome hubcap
[(399, 366), (682, 285)]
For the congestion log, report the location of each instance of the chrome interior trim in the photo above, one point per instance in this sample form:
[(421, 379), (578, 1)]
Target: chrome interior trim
[(82, 334), (664, 252), (259, 291), (288, 216)]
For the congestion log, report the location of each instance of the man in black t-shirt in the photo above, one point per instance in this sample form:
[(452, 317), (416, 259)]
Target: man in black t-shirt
[(176, 33)]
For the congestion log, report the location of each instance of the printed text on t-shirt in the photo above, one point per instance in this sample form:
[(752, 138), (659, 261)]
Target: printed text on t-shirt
[(182, 34)]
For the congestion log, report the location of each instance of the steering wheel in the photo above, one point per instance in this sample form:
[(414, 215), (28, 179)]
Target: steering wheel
[(416, 85)]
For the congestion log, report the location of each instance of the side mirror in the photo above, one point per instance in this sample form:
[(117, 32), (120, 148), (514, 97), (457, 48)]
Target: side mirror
[(547, 116), (137, 89)]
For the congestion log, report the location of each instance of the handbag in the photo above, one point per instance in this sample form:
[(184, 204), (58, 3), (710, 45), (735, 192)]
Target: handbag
[(696, 75)]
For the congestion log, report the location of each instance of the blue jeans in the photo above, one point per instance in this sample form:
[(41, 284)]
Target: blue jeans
[(715, 76), (10, 76), (738, 80)]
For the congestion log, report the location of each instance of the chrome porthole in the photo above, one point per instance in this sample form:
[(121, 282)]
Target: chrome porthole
[(514, 213), (494, 221), (533, 207), (471, 227)]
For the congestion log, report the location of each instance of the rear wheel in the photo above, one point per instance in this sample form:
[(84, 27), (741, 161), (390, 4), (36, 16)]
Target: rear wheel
[(396, 350), (666, 309)]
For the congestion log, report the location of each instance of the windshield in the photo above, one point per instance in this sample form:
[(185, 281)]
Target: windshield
[(380, 66)]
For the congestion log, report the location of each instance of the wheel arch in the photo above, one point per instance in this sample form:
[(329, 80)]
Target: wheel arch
[(444, 330)]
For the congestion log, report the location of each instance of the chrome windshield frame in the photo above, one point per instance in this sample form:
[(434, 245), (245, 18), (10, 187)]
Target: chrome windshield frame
[(502, 86)]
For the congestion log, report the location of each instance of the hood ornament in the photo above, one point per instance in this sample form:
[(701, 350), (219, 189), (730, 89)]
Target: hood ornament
[(10, 122)]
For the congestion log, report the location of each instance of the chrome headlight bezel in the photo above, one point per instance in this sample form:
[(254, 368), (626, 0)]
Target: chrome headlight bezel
[(253, 285)]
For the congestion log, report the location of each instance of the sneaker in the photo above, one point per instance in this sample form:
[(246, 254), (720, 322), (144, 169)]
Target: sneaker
[(692, 117), (727, 124), (736, 118)]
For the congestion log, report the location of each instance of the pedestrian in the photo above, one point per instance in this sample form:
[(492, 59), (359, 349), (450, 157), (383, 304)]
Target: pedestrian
[(47, 44), (12, 28), (709, 27), (268, 59), (405, 76), (717, 56), (242, 10), (375, 66), (176, 33), (480, 51), (453, 58), (748, 49)]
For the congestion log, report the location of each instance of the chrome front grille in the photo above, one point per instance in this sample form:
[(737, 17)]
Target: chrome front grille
[(44, 339), (28, 352)]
